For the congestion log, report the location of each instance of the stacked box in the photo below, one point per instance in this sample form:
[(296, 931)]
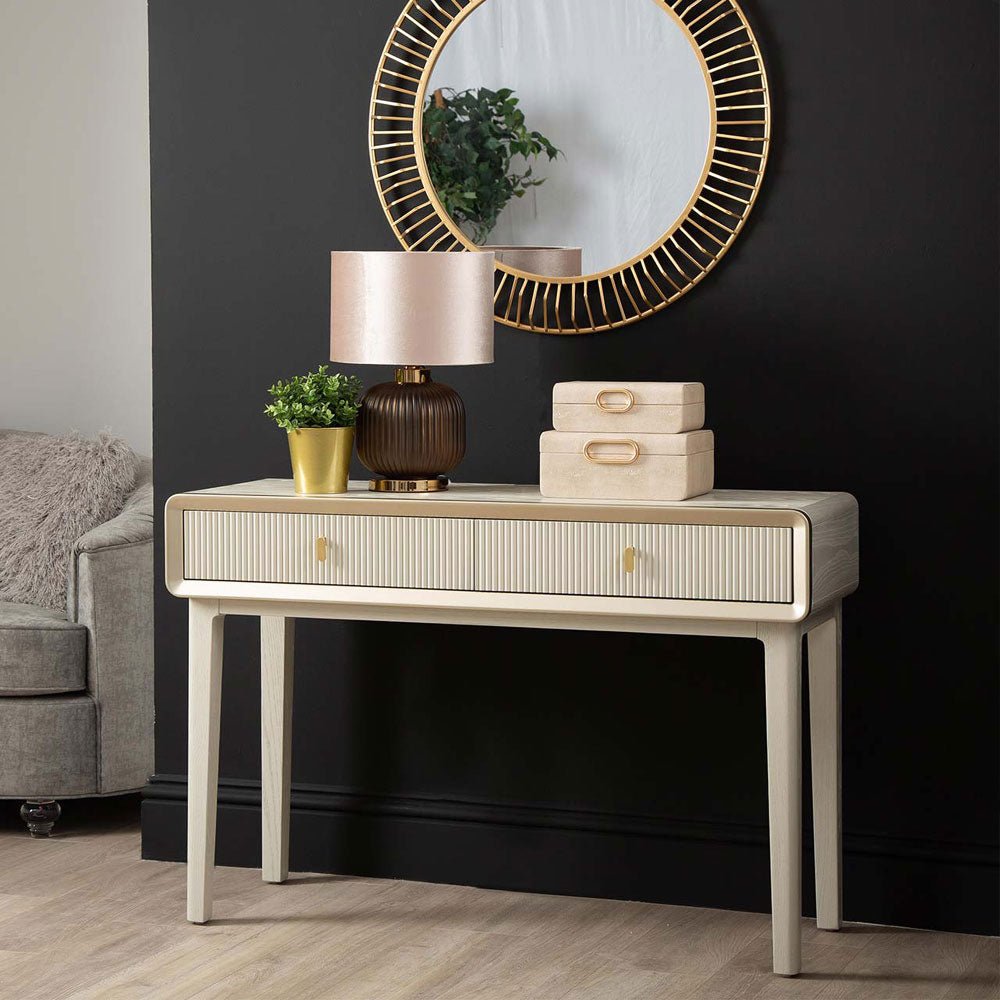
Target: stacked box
[(627, 441)]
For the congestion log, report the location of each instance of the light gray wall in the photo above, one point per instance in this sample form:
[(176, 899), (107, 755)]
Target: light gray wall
[(74, 218)]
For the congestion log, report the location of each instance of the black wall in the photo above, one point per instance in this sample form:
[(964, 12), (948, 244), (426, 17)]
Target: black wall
[(849, 342)]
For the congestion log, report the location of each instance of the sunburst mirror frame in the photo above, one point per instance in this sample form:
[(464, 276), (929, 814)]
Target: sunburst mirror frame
[(740, 136)]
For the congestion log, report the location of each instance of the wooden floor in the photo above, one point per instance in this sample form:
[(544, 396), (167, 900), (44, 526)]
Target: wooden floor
[(82, 916)]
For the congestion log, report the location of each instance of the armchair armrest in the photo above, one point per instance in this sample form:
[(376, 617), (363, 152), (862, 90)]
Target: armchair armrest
[(134, 524), (111, 592)]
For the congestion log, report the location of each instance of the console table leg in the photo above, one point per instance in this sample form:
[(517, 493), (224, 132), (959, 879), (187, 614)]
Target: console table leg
[(277, 645), (783, 696), (205, 629), (824, 717)]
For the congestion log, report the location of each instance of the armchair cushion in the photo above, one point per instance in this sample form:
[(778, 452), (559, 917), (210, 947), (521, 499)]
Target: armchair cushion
[(40, 651)]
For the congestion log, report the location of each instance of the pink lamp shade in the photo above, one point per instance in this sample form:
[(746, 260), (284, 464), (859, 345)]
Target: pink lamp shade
[(410, 308)]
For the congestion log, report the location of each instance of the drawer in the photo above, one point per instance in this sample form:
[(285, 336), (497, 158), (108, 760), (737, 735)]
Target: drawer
[(677, 561), (344, 549)]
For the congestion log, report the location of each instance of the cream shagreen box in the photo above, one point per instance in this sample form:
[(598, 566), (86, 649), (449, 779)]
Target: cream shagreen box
[(635, 407), (626, 467)]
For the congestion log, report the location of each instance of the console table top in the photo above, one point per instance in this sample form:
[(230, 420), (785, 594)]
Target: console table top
[(514, 494)]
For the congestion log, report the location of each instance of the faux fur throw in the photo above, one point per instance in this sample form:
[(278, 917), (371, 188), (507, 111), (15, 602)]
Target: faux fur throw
[(52, 491)]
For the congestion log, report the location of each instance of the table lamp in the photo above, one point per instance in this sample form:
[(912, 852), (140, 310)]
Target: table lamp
[(411, 310)]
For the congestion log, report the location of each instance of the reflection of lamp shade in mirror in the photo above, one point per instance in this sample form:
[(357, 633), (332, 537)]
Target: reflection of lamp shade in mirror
[(554, 262)]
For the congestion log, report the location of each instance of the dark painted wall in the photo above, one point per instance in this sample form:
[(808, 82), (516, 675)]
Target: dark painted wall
[(849, 342)]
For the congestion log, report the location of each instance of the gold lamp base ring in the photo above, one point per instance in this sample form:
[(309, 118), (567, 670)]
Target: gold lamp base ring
[(435, 485)]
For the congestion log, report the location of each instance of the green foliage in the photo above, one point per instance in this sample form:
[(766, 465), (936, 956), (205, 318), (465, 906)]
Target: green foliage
[(315, 400), (469, 143)]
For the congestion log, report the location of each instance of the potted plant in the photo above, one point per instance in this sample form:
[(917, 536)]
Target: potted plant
[(470, 140), (319, 412)]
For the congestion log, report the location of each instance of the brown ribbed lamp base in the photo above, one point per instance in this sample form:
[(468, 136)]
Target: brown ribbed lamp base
[(411, 432)]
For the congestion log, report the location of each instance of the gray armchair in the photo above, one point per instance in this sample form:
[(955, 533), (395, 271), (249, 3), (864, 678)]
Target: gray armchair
[(76, 689)]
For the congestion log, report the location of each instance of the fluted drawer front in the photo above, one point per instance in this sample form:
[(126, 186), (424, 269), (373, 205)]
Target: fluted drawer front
[(678, 561), (345, 549)]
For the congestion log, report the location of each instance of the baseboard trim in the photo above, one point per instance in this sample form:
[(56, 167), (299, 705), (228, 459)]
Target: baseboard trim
[(919, 883)]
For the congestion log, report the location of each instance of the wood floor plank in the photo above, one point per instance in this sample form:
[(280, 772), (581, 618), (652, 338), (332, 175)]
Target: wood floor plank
[(902, 964), (82, 918), (981, 981), (269, 930), (748, 975), (689, 940)]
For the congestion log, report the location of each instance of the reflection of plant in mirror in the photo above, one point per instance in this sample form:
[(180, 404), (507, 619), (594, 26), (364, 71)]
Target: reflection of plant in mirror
[(470, 138)]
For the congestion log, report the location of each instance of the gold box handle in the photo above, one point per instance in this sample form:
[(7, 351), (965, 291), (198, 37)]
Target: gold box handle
[(615, 408), (628, 559), (611, 459), (321, 546)]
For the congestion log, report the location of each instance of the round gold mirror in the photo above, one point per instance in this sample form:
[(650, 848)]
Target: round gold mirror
[(608, 151)]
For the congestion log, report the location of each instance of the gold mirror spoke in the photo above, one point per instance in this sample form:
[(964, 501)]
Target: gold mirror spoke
[(705, 13), (725, 52), (737, 152), (719, 208), (419, 222), (628, 293), (642, 291), (712, 220), (701, 31), (403, 62), (604, 304), (678, 291), (681, 248), (738, 30), (432, 18), (404, 197), (500, 284), (531, 308), (688, 280), (740, 76), (730, 180), (406, 48), (415, 40), (438, 241), (650, 279), (441, 11)]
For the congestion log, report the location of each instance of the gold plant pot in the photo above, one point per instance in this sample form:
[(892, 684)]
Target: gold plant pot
[(321, 458)]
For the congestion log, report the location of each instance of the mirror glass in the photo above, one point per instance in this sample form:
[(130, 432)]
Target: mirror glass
[(567, 124)]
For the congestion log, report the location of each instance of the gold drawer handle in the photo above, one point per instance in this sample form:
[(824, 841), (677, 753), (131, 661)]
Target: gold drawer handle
[(611, 407), (628, 559), (588, 451), (321, 549)]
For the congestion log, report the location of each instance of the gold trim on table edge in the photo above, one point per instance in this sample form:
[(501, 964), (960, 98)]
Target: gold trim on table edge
[(389, 505), (720, 34)]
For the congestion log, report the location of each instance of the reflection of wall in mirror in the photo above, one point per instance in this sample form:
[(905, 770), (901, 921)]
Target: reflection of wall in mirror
[(616, 85)]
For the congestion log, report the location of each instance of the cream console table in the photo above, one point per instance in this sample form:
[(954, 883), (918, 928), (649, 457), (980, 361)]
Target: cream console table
[(769, 566)]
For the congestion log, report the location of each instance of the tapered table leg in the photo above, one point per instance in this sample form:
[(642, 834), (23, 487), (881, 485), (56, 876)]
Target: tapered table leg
[(205, 629), (824, 718), (277, 641), (783, 696)]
